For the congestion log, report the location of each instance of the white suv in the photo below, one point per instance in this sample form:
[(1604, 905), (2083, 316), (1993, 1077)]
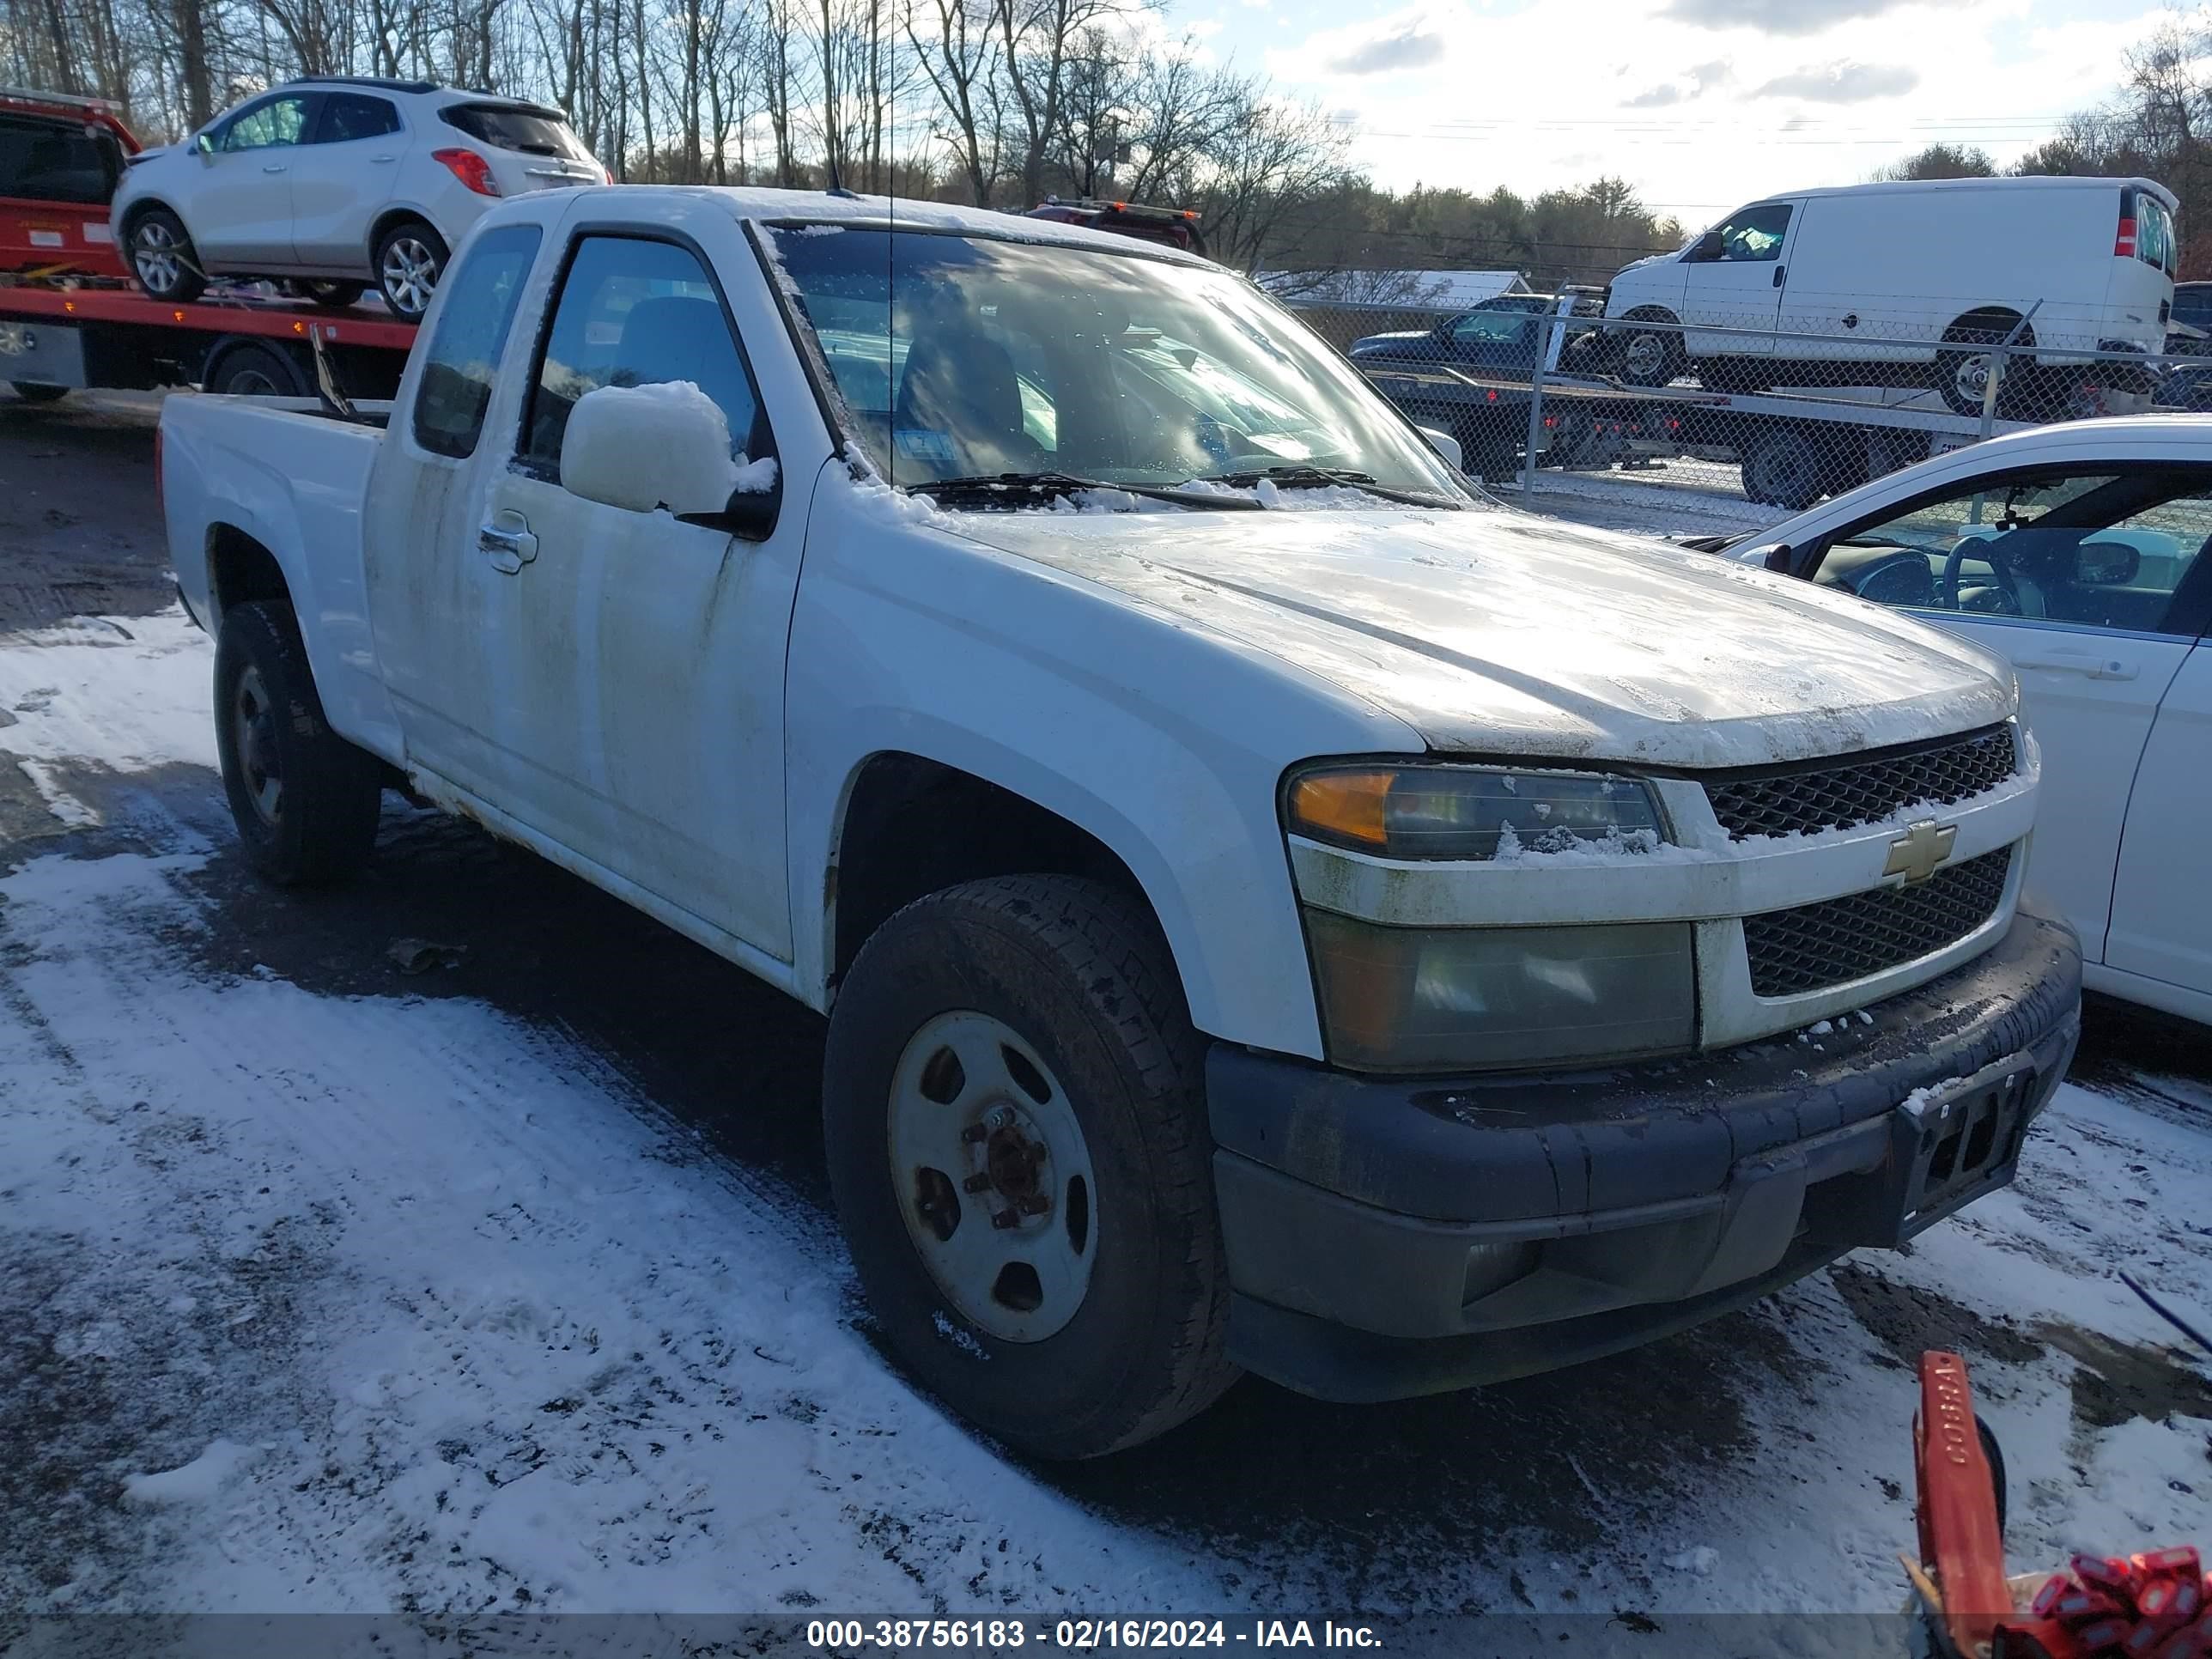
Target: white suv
[(339, 183)]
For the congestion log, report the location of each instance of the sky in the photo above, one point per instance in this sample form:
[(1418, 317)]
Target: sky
[(1702, 105)]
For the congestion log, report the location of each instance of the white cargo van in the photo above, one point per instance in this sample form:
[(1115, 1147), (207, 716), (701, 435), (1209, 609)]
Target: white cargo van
[(1894, 281)]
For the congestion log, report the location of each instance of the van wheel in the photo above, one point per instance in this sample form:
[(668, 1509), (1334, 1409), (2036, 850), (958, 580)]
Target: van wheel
[(1963, 376), (306, 801), (162, 257), (1649, 357), (1014, 1108), (410, 256)]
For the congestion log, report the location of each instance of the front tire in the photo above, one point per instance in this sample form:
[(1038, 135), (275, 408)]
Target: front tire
[(1014, 1108), (306, 801), (334, 296), (1649, 357), (411, 258), (163, 258)]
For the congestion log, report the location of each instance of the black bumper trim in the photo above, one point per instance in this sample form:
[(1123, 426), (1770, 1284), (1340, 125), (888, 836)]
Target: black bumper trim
[(1450, 1232)]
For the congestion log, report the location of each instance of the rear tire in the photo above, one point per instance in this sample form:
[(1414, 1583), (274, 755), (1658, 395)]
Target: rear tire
[(306, 801), (1786, 468), (256, 370), (1107, 1079), (32, 391), (162, 257), (411, 258)]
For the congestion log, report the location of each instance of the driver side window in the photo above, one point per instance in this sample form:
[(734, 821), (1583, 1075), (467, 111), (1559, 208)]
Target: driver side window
[(1752, 234), (2103, 549)]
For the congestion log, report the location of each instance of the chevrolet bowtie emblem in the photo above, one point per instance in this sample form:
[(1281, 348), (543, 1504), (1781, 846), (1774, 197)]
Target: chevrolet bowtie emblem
[(1915, 853)]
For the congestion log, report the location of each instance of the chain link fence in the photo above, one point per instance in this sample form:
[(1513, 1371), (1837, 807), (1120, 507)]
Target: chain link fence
[(1736, 417)]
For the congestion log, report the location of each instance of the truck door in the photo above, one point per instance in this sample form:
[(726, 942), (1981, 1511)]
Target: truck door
[(239, 209), (614, 680), (1732, 280)]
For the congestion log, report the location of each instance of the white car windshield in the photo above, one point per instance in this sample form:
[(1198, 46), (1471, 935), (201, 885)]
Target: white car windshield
[(963, 357)]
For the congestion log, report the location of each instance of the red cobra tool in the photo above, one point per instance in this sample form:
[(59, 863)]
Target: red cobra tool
[(1959, 1542)]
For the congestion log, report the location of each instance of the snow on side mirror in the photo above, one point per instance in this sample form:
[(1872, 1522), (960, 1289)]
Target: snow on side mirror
[(1445, 445), (644, 447)]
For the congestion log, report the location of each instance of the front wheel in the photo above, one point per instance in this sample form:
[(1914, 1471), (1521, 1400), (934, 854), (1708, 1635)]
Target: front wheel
[(163, 258), (410, 256), (1014, 1109), (1649, 356), (334, 296), (305, 799)]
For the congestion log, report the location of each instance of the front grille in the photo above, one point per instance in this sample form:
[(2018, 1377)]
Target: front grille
[(1793, 951), (1797, 803)]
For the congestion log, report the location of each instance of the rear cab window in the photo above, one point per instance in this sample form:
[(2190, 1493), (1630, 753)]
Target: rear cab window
[(464, 354), (52, 161), (2145, 221)]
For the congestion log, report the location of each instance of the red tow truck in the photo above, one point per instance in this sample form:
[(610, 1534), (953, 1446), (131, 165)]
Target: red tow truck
[(71, 318)]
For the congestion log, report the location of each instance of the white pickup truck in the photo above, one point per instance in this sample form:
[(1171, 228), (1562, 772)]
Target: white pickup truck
[(1275, 910)]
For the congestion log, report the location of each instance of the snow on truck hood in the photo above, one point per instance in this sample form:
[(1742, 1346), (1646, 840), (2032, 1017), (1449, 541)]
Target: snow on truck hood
[(1492, 632)]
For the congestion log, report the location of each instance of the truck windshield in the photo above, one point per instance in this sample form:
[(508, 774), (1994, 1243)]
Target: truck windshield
[(967, 357)]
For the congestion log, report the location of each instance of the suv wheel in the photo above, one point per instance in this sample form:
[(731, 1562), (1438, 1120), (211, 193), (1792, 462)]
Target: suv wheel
[(410, 256), (1014, 1109), (163, 258)]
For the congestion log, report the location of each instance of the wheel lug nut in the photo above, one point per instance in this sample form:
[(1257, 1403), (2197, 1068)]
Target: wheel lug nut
[(999, 1118), (1005, 1219), (1031, 1204), (977, 1183), (975, 1133)]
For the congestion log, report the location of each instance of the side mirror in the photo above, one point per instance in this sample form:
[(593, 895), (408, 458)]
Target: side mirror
[(751, 513), (2107, 564), (1707, 247), (645, 447), (1446, 445), (1779, 557), (203, 142)]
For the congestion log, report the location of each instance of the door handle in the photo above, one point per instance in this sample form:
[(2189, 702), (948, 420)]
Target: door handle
[(274, 167), (511, 548), (1779, 272), (2081, 663), (383, 158)]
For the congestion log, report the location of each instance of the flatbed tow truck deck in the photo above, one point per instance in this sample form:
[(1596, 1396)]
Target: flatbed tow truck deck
[(58, 337)]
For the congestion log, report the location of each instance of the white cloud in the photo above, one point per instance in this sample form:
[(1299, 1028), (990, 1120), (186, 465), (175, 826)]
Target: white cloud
[(1407, 47), (1843, 83)]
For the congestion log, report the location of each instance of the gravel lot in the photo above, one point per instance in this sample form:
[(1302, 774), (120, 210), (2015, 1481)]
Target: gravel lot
[(329, 1285)]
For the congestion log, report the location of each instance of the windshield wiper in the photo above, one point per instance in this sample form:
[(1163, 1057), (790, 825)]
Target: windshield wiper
[(1321, 477), (986, 485)]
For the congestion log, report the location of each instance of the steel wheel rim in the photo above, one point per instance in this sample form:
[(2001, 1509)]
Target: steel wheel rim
[(154, 252), (1647, 353), (250, 383), (410, 273), (984, 1138), (1972, 378), (253, 730)]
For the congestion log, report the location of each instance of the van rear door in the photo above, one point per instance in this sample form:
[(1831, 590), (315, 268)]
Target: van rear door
[(2144, 255), (1735, 274)]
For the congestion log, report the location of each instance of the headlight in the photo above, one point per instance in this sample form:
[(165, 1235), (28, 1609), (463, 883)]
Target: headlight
[(1427, 1000), (1430, 812)]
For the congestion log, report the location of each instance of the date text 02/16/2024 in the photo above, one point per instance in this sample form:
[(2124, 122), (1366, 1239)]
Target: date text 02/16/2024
[(1005, 1636)]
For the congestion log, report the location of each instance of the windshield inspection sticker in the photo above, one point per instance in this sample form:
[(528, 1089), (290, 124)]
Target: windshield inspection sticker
[(921, 443)]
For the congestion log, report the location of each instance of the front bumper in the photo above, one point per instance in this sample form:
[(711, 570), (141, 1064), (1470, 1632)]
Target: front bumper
[(1389, 1238)]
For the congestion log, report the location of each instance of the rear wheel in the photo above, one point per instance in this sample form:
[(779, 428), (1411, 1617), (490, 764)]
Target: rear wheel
[(1014, 1109), (32, 392), (410, 256), (305, 800), (1962, 374), (255, 370), (1787, 467), (162, 257)]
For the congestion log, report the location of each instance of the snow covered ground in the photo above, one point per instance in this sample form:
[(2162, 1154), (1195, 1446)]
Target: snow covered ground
[(329, 1285)]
